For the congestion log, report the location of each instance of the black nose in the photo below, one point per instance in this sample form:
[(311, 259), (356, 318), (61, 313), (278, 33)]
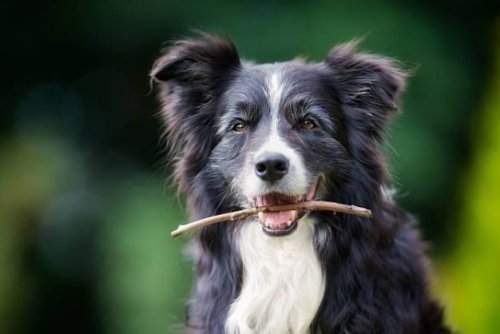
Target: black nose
[(271, 166)]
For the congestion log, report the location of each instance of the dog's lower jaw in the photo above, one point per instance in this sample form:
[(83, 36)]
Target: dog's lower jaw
[(283, 283)]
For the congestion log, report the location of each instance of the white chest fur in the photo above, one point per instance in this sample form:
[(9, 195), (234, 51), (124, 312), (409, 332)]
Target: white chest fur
[(283, 283)]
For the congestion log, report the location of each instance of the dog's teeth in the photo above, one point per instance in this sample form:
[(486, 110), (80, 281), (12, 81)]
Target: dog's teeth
[(295, 215), (288, 223), (262, 217)]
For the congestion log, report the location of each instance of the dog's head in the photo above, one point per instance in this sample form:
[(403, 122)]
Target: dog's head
[(247, 134)]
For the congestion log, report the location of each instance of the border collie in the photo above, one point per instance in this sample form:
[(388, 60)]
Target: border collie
[(245, 135)]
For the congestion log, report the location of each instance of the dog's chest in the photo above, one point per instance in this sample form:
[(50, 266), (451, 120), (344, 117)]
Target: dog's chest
[(283, 283)]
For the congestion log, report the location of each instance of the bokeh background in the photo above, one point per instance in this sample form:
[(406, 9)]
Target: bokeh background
[(85, 205)]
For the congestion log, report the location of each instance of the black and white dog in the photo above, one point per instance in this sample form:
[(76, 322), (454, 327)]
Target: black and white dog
[(246, 135)]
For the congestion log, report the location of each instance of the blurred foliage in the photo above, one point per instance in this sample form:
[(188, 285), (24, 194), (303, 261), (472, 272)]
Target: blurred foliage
[(144, 278), (26, 192), (470, 276), (85, 209)]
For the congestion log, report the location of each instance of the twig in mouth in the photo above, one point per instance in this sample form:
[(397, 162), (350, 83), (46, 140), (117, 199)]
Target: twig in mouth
[(305, 206)]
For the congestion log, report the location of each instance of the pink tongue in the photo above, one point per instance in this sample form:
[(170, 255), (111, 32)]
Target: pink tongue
[(275, 219)]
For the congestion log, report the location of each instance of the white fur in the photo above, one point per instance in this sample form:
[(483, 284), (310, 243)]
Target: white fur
[(295, 182), (274, 92), (388, 193), (283, 283)]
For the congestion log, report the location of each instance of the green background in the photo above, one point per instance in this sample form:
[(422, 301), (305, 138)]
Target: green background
[(85, 203)]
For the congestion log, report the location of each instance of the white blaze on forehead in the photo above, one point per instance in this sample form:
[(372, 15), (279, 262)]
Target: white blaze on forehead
[(274, 94)]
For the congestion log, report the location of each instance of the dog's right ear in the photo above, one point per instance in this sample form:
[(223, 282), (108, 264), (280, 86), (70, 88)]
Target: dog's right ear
[(196, 64), (190, 76)]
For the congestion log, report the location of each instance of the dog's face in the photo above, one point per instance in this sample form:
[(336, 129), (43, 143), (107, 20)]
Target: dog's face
[(275, 133), (279, 136)]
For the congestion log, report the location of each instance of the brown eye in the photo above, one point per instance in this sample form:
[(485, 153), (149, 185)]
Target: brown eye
[(240, 127), (307, 124)]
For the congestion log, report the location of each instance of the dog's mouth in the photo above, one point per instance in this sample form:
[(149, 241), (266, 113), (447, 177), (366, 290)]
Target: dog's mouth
[(281, 223)]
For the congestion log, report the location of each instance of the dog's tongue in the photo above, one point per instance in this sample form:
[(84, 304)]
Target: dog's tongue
[(281, 219), (278, 219)]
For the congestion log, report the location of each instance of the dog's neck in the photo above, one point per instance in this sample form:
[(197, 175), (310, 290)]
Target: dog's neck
[(283, 283)]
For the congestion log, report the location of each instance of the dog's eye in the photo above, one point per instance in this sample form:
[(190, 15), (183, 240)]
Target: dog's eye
[(240, 127), (307, 124)]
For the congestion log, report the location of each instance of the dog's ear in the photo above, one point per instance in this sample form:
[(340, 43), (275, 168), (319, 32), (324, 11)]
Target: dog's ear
[(368, 85), (196, 64), (190, 75)]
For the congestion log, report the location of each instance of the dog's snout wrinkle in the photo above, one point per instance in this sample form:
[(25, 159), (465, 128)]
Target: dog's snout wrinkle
[(271, 166)]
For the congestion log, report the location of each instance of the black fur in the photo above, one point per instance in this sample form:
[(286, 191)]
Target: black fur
[(376, 270)]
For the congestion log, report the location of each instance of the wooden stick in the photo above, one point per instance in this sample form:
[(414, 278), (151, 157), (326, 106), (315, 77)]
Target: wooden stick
[(305, 206)]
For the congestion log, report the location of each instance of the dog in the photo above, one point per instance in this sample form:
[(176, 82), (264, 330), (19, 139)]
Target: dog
[(244, 135)]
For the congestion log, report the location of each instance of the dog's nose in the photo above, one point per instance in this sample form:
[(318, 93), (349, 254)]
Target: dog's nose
[(271, 166)]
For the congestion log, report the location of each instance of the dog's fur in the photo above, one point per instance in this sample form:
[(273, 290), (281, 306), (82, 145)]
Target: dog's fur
[(333, 273)]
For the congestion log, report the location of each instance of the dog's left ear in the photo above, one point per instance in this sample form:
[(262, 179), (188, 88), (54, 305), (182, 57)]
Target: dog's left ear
[(367, 85)]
